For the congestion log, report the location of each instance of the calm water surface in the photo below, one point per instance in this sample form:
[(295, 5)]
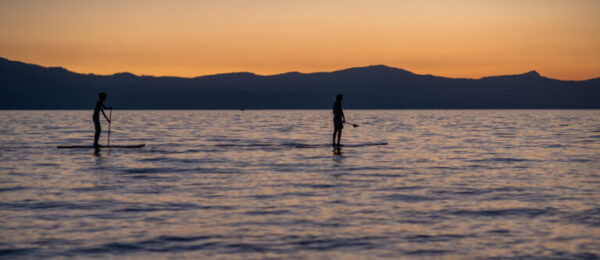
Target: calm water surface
[(232, 184)]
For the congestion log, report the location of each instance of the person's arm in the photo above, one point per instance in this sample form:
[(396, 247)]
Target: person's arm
[(102, 110), (343, 117)]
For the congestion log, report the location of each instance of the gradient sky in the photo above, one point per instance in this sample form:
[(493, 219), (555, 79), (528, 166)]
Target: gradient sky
[(455, 38)]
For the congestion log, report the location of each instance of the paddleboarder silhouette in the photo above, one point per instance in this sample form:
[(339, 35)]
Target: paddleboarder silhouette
[(338, 119), (96, 117)]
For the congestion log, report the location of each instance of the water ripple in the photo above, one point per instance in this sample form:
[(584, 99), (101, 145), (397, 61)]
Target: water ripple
[(473, 184)]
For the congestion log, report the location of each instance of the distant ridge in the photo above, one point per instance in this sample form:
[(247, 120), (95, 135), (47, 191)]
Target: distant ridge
[(30, 86)]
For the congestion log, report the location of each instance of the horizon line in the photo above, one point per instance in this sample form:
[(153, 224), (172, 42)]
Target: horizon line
[(289, 72)]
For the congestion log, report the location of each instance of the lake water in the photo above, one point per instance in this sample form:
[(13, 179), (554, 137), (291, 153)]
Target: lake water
[(233, 184)]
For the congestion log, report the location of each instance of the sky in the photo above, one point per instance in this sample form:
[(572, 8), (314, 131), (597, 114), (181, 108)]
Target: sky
[(453, 38)]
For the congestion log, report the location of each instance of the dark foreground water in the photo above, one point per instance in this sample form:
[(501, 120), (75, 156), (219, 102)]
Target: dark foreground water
[(233, 184)]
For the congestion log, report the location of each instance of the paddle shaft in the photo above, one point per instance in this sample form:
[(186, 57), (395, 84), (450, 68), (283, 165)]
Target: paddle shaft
[(355, 125), (109, 122)]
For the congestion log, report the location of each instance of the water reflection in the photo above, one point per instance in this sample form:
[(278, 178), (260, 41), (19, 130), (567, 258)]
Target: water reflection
[(337, 150), (225, 184)]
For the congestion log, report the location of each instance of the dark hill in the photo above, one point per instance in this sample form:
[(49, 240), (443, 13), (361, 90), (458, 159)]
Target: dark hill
[(27, 86)]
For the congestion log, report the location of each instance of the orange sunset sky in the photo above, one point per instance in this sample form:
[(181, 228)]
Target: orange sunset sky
[(454, 38)]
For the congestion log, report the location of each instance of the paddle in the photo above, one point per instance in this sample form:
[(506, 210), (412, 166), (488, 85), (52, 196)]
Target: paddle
[(354, 125), (109, 122)]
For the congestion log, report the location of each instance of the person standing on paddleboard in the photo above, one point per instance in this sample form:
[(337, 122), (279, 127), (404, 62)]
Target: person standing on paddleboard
[(96, 117), (338, 119)]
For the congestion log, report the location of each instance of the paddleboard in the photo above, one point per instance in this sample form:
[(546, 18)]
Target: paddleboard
[(343, 145), (101, 147)]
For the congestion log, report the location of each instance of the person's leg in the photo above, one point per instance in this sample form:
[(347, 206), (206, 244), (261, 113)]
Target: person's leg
[(339, 137), (97, 134), (334, 134)]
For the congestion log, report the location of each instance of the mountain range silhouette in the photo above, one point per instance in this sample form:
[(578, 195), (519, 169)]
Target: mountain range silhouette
[(28, 86)]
